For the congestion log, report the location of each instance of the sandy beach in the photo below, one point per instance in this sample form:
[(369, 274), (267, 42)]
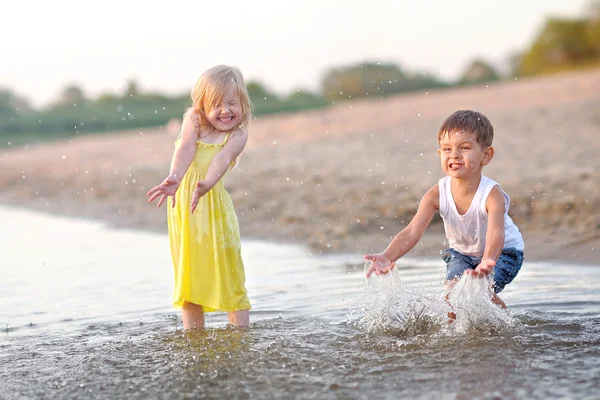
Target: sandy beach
[(349, 177)]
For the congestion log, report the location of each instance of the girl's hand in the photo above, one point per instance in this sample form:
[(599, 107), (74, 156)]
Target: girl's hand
[(167, 188), (202, 187), (380, 264), (484, 268)]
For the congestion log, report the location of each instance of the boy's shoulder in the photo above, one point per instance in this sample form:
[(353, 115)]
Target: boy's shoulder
[(432, 197)]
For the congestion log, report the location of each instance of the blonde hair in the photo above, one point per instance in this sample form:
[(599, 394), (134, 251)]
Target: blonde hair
[(469, 121), (211, 88)]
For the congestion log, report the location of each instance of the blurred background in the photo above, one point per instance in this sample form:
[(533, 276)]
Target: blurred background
[(68, 70), (348, 97)]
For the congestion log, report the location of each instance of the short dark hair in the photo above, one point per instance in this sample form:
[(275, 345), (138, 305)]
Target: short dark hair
[(471, 122)]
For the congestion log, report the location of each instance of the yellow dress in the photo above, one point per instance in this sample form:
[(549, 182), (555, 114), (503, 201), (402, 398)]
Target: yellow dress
[(205, 246)]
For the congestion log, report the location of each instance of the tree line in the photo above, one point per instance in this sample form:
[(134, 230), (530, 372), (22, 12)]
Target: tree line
[(562, 44)]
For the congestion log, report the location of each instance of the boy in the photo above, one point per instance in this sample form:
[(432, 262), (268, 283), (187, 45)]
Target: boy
[(482, 237)]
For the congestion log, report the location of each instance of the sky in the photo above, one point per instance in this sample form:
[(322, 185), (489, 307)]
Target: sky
[(165, 46)]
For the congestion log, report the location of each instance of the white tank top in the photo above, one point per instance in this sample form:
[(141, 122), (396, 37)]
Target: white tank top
[(466, 233)]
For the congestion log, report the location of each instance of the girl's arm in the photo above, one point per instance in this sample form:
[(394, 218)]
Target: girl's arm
[(182, 158), (408, 237), (494, 237), (186, 151), (219, 164), (223, 159)]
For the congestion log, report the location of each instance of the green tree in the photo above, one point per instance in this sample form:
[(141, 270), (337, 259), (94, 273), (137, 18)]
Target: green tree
[(561, 44), (367, 79), (302, 99), (258, 91), (373, 79), (71, 95), (10, 102), (107, 98), (131, 89), (478, 71), (593, 28)]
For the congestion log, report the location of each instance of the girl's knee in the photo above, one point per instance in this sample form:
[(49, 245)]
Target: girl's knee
[(192, 307)]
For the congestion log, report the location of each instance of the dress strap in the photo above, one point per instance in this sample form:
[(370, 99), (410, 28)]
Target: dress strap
[(225, 138)]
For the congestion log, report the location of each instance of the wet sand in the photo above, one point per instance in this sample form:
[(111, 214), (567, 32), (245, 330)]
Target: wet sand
[(349, 177)]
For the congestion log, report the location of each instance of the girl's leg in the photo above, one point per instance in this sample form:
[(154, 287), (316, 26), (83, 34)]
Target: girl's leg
[(239, 318), (193, 316)]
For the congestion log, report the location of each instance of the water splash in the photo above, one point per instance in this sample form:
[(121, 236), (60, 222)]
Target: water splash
[(390, 307), (471, 301)]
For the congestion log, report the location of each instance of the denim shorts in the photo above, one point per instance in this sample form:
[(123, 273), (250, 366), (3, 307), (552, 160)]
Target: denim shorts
[(506, 269)]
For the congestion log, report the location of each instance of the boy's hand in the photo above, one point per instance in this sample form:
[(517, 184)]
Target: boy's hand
[(202, 187), (484, 268), (167, 188), (380, 264)]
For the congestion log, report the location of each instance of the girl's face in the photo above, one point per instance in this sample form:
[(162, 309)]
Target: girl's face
[(226, 114), (462, 156)]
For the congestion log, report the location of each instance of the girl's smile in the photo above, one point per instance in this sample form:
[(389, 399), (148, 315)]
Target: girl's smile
[(227, 113)]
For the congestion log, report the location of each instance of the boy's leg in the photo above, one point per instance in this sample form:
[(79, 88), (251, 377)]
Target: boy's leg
[(448, 286), (506, 269), (239, 318), (192, 315), (498, 301), (456, 265)]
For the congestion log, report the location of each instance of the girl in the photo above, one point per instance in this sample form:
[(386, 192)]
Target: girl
[(204, 238)]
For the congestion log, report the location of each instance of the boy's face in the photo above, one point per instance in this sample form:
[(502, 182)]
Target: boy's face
[(462, 156)]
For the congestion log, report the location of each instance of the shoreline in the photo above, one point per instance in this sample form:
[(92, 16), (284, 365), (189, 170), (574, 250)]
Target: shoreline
[(539, 247), (349, 177)]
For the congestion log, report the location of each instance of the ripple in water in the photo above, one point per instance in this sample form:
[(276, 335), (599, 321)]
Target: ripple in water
[(319, 330)]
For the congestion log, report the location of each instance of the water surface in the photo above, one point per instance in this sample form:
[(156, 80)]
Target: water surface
[(85, 312)]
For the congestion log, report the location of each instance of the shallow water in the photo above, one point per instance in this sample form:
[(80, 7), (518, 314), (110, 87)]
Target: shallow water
[(85, 312)]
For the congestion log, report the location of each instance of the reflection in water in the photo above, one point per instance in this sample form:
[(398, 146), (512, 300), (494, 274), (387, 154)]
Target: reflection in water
[(88, 315)]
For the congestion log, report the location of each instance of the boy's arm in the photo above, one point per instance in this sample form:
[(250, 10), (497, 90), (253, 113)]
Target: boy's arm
[(410, 236), (219, 164), (494, 237), (404, 241)]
